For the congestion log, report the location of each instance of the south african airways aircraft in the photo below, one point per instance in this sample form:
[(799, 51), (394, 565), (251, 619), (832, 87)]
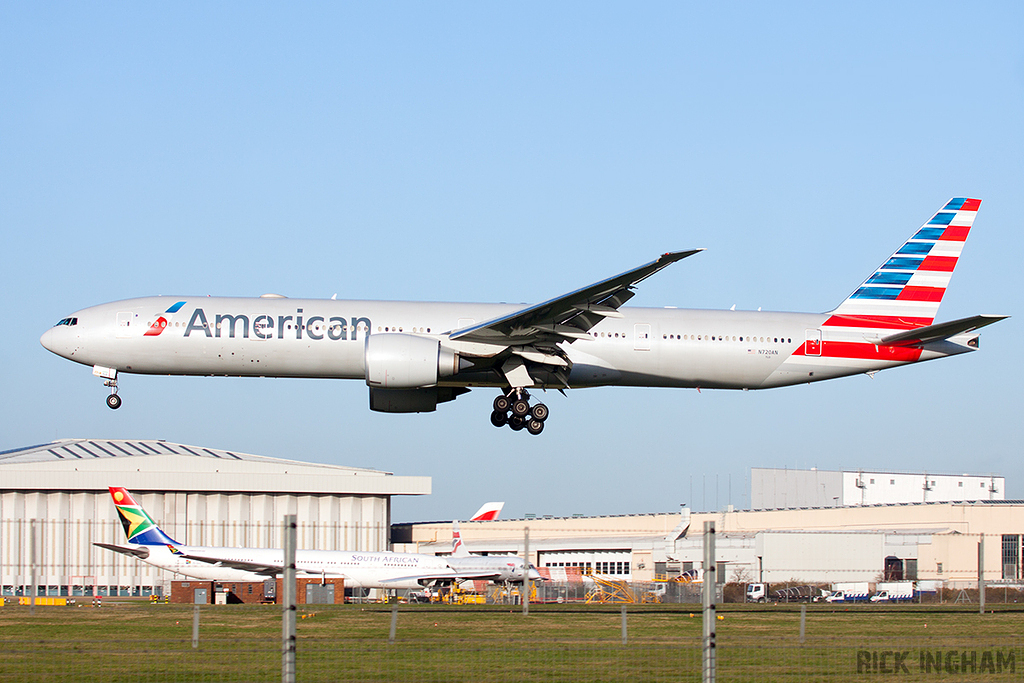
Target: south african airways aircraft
[(414, 356), (147, 542)]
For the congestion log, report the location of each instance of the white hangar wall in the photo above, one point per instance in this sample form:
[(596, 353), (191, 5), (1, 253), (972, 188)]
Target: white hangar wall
[(199, 496), (777, 488)]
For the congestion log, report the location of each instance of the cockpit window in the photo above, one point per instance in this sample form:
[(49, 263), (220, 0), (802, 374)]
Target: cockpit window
[(67, 321)]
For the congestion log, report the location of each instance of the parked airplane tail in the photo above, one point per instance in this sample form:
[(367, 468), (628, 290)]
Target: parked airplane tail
[(458, 547), (904, 293), (139, 527), (487, 512)]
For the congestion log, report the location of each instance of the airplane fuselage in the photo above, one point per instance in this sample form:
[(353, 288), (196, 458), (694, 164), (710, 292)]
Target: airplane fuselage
[(649, 347), (359, 569)]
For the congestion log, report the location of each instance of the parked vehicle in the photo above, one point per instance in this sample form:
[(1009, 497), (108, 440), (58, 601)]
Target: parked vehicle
[(894, 591), (852, 591), (757, 592)]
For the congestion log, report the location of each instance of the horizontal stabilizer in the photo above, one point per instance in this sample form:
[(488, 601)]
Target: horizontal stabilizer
[(141, 553), (931, 333)]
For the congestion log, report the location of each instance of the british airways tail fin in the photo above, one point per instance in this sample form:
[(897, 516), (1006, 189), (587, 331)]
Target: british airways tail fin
[(487, 512), (139, 527), (904, 293), (458, 547)]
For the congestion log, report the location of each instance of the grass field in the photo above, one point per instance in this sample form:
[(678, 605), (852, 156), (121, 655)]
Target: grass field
[(336, 643)]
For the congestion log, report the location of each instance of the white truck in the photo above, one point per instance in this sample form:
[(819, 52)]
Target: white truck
[(757, 592), (851, 591), (894, 591)]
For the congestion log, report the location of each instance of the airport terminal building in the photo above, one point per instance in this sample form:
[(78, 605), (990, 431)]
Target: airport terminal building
[(199, 496)]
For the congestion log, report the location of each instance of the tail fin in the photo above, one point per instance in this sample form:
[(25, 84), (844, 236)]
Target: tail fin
[(905, 292), (139, 527), (458, 547), (487, 512)]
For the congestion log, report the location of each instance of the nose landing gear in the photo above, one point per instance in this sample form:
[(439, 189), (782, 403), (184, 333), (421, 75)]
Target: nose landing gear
[(114, 401), (513, 409), (110, 375)]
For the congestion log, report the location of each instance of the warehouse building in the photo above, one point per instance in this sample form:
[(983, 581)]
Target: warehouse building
[(772, 488), (924, 541), (200, 496)]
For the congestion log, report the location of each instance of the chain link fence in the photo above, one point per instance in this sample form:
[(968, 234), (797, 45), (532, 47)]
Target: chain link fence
[(143, 642)]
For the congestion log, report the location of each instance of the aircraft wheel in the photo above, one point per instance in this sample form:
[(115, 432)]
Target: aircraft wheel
[(499, 418), (114, 401), (502, 403), (520, 407), (540, 412), (516, 422), (535, 427)]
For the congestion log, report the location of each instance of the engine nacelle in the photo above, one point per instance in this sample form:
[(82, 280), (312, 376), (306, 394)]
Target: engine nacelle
[(406, 361), (422, 400)]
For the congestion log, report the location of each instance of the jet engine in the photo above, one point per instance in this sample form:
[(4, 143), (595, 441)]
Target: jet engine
[(406, 361), (402, 371)]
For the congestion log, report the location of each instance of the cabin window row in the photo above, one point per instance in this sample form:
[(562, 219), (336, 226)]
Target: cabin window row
[(713, 337)]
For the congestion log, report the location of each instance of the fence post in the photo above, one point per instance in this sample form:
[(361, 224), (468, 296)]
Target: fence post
[(525, 597), (195, 626), (710, 582), (981, 575), (394, 624), (32, 562), (803, 622), (625, 632), (288, 602)]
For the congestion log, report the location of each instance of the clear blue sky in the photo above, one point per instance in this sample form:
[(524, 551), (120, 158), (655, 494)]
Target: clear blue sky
[(514, 152)]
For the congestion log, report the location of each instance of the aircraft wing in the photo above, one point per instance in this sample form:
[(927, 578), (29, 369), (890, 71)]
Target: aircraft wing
[(931, 333), (142, 552), (570, 316), (458, 576), (264, 568)]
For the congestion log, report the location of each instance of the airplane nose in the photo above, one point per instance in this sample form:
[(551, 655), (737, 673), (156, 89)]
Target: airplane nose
[(58, 340), (48, 341)]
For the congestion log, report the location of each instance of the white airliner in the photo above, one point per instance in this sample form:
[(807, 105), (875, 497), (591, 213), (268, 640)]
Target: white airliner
[(416, 355), (359, 569)]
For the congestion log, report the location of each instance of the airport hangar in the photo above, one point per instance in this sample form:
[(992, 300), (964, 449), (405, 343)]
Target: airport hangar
[(910, 535), (216, 497), (199, 496)]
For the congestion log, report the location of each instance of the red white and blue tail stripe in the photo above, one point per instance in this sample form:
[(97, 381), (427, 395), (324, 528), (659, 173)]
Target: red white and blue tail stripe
[(905, 292)]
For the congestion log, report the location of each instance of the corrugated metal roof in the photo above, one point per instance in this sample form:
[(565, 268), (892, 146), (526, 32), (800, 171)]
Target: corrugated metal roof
[(156, 465), (83, 449)]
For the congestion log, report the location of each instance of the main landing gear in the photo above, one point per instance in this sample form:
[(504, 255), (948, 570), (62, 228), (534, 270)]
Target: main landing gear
[(513, 409)]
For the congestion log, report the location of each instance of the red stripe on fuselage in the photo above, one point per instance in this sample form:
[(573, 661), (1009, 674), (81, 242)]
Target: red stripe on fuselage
[(883, 322), (865, 351)]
